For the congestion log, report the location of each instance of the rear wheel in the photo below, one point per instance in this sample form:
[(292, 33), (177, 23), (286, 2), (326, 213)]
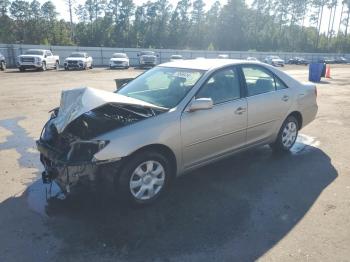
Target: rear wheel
[(57, 66), (2, 66), (144, 178), (22, 69), (287, 135)]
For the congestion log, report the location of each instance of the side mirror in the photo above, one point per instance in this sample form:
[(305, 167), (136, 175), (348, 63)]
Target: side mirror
[(45, 56), (138, 54), (201, 104)]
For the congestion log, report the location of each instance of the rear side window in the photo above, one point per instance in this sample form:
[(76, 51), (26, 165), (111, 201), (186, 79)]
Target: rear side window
[(279, 84), (222, 87), (259, 80)]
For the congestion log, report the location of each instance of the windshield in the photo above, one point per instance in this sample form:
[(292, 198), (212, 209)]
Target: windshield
[(119, 56), (162, 86), (275, 57), (77, 55), (147, 53), (176, 57), (34, 52)]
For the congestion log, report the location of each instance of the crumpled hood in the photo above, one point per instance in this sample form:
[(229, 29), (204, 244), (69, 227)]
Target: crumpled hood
[(76, 102)]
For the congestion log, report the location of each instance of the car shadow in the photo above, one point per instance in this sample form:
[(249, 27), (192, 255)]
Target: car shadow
[(236, 209)]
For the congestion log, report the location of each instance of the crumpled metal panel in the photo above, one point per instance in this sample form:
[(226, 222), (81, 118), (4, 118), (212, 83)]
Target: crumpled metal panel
[(78, 101)]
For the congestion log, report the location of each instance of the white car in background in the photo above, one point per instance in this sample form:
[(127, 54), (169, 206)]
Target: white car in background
[(78, 60), (174, 58), (274, 60), (223, 56), (119, 60), (251, 58)]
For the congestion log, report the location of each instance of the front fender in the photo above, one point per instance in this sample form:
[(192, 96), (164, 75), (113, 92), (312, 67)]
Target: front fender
[(163, 130)]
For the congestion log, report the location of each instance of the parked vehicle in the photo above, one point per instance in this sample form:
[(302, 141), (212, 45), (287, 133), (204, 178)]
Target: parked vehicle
[(160, 125), (2, 62), (298, 61), (251, 58), (119, 60), (341, 60), (174, 58), (78, 60), (147, 59), (38, 59), (274, 60), (223, 56), (327, 60)]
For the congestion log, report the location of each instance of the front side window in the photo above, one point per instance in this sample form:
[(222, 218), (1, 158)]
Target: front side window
[(223, 86), (258, 80), (48, 53), (162, 86)]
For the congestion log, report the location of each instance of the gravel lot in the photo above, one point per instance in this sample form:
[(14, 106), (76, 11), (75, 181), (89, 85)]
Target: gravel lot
[(253, 206)]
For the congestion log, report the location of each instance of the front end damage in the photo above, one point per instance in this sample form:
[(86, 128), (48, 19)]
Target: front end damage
[(68, 143)]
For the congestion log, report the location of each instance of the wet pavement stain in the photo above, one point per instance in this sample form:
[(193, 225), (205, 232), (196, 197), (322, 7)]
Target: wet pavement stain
[(21, 142)]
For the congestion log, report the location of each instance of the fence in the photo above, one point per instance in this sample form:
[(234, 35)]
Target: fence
[(101, 55)]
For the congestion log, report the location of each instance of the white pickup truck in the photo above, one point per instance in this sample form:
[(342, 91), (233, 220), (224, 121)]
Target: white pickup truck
[(38, 59)]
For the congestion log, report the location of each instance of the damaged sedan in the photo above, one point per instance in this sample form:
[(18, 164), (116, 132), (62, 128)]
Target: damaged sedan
[(171, 119)]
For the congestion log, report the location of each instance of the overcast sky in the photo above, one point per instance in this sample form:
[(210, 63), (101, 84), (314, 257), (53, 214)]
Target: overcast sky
[(63, 10)]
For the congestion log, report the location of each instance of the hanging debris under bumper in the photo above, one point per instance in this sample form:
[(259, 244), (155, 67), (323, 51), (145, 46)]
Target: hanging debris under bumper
[(69, 174)]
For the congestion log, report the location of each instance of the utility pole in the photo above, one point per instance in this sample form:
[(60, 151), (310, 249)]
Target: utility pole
[(70, 7)]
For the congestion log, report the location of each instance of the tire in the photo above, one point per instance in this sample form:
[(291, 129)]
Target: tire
[(91, 66), (57, 66), (22, 69), (3, 66), (144, 178), (44, 68), (287, 135)]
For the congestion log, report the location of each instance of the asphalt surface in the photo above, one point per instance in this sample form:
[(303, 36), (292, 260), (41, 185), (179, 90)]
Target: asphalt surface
[(253, 206)]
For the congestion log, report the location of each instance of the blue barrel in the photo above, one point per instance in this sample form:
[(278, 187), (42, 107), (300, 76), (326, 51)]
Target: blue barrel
[(315, 72)]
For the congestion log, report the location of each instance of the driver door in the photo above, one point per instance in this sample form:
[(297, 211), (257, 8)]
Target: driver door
[(209, 134)]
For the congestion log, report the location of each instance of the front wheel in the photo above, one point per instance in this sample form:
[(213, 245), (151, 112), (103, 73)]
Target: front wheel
[(287, 135), (144, 178), (43, 67)]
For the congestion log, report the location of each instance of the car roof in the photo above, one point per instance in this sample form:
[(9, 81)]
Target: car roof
[(78, 53), (206, 64)]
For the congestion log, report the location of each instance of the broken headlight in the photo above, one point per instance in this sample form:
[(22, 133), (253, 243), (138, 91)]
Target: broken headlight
[(85, 150)]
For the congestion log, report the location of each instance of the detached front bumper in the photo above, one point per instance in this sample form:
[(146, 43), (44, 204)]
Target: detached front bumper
[(69, 174)]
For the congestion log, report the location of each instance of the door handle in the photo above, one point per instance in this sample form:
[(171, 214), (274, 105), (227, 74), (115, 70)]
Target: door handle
[(285, 98), (240, 110)]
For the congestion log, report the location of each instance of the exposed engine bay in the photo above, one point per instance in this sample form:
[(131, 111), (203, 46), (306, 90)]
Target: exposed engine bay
[(68, 153)]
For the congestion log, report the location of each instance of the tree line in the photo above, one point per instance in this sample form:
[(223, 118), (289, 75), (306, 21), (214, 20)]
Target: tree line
[(265, 25)]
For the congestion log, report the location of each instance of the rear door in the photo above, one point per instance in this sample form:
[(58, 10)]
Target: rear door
[(269, 100), (208, 134), (50, 59)]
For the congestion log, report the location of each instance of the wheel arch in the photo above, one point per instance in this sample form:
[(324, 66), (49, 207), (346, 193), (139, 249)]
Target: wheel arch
[(162, 149), (299, 118)]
